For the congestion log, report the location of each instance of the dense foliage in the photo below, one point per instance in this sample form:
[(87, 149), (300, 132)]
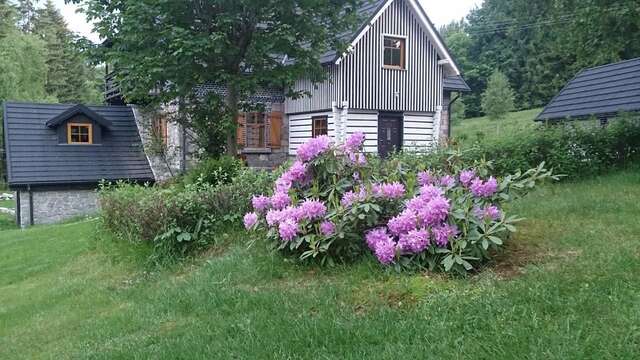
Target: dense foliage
[(497, 100), (333, 202), (577, 149), (214, 171), (172, 47), (179, 219), (540, 45)]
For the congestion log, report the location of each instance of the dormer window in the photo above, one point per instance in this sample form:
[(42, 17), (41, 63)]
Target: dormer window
[(394, 52), (79, 134)]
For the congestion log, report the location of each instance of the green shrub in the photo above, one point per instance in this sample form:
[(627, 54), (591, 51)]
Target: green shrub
[(335, 201), (571, 148), (214, 171), (180, 219)]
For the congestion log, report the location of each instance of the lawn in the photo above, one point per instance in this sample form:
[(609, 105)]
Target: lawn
[(7, 221), (485, 129), (566, 289)]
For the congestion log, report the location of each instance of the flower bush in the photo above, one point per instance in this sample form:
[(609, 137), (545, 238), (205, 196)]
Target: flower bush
[(336, 203)]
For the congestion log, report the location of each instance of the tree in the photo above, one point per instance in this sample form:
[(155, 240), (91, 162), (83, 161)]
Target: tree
[(171, 47), (497, 100), (69, 77)]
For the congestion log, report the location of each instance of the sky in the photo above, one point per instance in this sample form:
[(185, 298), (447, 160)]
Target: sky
[(440, 12)]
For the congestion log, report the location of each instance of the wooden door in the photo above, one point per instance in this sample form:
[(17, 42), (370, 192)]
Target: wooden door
[(389, 133)]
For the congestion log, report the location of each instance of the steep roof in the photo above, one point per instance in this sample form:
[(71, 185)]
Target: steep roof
[(599, 91), (455, 83), (35, 157)]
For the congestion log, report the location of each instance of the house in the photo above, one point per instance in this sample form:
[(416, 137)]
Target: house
[(602, 92), (57, 155), (394, 84)]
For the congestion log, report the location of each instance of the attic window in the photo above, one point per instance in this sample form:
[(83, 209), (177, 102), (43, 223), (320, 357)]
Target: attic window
[(394, 52), (79, 133)]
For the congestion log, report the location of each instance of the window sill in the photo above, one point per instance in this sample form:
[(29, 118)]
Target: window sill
[(63, 144), (256, 151), (393, 68)]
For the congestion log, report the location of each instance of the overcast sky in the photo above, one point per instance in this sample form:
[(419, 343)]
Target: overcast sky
[(440, 12)]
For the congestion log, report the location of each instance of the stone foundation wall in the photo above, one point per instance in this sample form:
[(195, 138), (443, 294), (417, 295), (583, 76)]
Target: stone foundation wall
[(53, 206)]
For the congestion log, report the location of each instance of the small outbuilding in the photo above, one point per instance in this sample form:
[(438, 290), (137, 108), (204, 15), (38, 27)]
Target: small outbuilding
[(58, 154), (602, 92)]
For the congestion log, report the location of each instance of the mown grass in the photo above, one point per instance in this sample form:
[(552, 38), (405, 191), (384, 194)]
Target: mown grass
[(7, 221), (567, 288), (484, 129)]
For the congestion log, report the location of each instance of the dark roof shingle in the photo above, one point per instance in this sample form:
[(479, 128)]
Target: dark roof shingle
[(601, 91), (456, 83), (35, 157)]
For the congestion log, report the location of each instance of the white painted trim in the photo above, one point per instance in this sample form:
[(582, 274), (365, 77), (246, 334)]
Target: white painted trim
[(364, 31), (424, 18)]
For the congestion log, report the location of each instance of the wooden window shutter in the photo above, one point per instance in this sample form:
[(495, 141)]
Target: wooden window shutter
[(240, 130), (275, 129)]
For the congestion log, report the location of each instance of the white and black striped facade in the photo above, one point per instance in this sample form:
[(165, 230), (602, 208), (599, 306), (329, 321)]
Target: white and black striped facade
[(359, 88)]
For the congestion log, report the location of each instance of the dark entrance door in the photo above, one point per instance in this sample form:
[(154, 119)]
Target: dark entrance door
[(389, 133)]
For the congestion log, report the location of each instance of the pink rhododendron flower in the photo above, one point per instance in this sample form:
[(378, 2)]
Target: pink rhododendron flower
[(490, 212), (273, 217), (354, 142), (425, 178), (466, 177), (260, 203), (443, 233), (250, 220), (297, 172), (358, 159), (447, 181), (385, 251), (388, 190), (291, 212), (428, 192), (283, 184), (403, 223), (327, 228), (313, 148), (349, 198), (414, 242), (432, 211), (288, 229), (280, 200), (375, 236), (313, 209), (393, 191), (481, 188)]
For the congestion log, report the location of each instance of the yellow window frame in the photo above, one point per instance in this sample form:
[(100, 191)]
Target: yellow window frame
[(79, 125)]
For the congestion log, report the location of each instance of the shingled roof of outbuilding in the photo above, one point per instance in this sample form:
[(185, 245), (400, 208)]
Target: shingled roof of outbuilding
[(35, 156), (601, 91), (455, 83)]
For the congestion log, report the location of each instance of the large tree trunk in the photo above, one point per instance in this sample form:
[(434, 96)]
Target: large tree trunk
[(232, 108)]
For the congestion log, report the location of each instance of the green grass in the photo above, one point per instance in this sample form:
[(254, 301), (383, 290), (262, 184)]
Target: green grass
[(9, 204), (568, 288), (485, 129), (7, 221)]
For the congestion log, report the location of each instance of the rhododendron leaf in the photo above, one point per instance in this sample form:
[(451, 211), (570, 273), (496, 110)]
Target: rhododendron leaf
[(510, 227), (448, 262), (485, 244), (496, 240)]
